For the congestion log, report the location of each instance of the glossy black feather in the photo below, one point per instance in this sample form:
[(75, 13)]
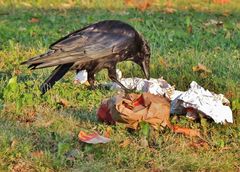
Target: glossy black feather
[(97, 46)]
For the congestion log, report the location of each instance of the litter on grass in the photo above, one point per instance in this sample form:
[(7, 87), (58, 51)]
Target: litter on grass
[(132, 109), (191, 102), (93, 138), (136, 109), (204, 102)]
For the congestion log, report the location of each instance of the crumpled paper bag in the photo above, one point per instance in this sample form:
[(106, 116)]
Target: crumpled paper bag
[(132, 109)]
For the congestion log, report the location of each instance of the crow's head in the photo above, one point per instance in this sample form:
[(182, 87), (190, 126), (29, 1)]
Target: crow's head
[(143, 58)]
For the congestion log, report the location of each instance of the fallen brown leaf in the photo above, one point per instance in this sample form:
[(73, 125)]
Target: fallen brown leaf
[(125, 143), (31, 113), (169, 7), (17, 72), (63, 102), (169, 10), (189, 29), (34, 20), (47, 124), (108, 132), (169, 4), (199, 144), (163, 62), (129, 3), (226, 148), (139, 4), (221, 1), (201, 68), (144, 142), (22, 166), (37, 154), (186, 131), (143, 6), (13, 143)]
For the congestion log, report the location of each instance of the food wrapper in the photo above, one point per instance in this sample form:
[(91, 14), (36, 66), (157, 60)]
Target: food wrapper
[(81, 77), (132, 109), (203, 101), (154, 86), (93, 138)]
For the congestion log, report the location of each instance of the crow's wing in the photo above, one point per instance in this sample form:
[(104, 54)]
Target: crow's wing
[(84, 46)]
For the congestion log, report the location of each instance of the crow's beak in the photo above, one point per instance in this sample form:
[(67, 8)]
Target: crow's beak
[(145, 68)]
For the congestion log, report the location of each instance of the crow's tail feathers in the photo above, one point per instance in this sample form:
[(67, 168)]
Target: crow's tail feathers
[(57, 74), (33, 62)]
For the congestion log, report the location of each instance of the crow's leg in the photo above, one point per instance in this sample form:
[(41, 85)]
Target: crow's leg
[(91, 80), (113, 76)]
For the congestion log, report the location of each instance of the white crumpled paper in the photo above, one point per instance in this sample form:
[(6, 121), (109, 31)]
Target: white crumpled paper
[(196, 97), (154, 86), (81, 77), (210, 104)]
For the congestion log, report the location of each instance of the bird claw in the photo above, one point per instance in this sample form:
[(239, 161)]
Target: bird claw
[(92, 87), (127, 90)]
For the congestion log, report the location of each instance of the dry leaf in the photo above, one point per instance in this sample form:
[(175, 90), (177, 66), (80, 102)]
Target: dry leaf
[(125, 143), (26, 4), (221, 1), (34, 20), (201, 68), (63, 102), (189, 29), (169, 10), (22, 166), (37, 154), (143, 6), (108, 132), (169, 7), (139, 4), (186, 131), (47, 124), (67, 5), (225, 13), (13, 143), (163, 62), (199, 144), (31, 113), (144, 142), (129, 3), (17, 72)]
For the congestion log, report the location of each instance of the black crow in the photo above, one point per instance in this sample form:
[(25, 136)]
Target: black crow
[(97, 46)]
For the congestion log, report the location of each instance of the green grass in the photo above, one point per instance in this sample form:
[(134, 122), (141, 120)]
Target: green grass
[(38, 134)]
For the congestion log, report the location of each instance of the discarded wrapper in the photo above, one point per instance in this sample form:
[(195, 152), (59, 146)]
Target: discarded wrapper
[(93, 138), (153, 86), (193, 101), (81, 77), (203, 101), (196, 98), (134, 108)]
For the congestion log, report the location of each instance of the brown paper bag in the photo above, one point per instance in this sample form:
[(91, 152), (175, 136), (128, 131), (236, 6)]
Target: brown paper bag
[(132, 109)]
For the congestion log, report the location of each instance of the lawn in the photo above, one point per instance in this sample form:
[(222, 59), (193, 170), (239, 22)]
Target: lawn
[(39, 133)]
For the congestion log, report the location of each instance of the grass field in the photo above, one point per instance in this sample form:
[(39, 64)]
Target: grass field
[(39, 134)]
